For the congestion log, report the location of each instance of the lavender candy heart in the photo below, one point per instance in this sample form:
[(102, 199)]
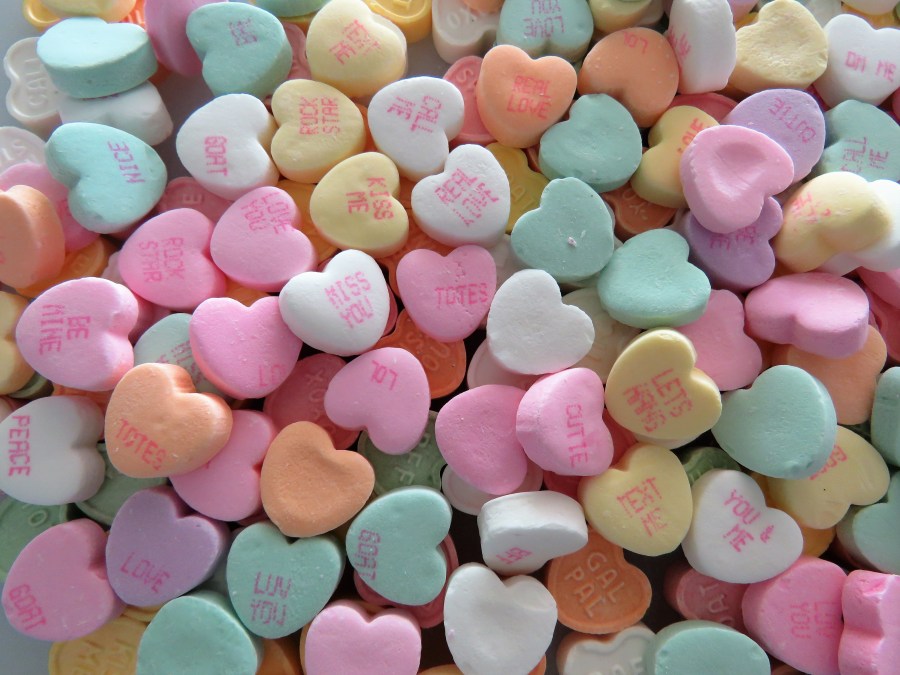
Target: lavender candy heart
[(158, 549)]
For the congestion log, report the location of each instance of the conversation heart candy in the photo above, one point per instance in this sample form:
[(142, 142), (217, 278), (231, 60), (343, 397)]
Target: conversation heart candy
[(186, 192), (868, 602), (52, 453), (485, 369), (468, 202), (343, 309), (108, 10), (87, 57), (865, 532), (298, 479), (599, 144), (57, 588), (225, 145), (702, 36), (579, 654), (33, 248), (412, 122), (497, 626), (393, 544), (465, 497), (861, 139), (158, 549), (15, 372), (168, 341), (563, 337), (114, 178), (579, 243), (734, 536), (76, 333), (157, 425), (796, 616), (165, 24), (885, 423), (458, 30), (319, 127), (32, 98), (862, 61), (670, 291), (716, 154), (112, 646), (20, 146), (559, 424), (525, 97), (447, 296), (413, 19), (699, 597), (354, 50), (548, 27), (21, 522), (244, 49), (522, 531), (277, 586), (463, 75), (705, 648), (525, 185)]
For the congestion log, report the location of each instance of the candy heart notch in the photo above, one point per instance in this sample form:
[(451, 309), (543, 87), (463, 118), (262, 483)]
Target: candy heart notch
[(309, 488), (57, 588), (394, 544), (277, 586), (459, 30), (158, 549), (865, 532), (564, 29), (52, 453)]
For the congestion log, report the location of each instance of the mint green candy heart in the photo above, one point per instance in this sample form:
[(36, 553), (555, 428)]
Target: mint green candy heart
[(393, 544), (703, 648), (861, 139), (198, 634), (599, 144), (569, 236), (277, 586), (89, 58), (547, 27), (783, 426), (244, 49), (649, 283), (290, 8), (869, 533), (698, 461), (114, 491), (168, 341), (885, 421), (114, 178), (21, 522), (420, 466)]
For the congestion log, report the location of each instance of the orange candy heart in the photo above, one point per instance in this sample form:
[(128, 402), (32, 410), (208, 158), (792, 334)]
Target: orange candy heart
[(32, 245)]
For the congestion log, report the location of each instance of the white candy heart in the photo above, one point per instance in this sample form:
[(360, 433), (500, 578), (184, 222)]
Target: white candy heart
[(468, 203), (458, 30), (469, 499), (495, 626), (863, 63), (225, 145), (521, 532), (139, 111), (413, 121), (18, 146), (872, 7), (32, 99), (621, 652), (702, 34), (734, 536), (530, 330), (342, 310), (51, 451)]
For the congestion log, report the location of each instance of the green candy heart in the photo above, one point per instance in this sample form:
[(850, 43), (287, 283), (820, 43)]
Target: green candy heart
[(885, 421), (547, 27), (21, 522), (290, 8), (649, 283), (783, 426), (869, 533), (277, 586), (116, 489), (114, 178), (599, 144), (703, 648), (420, 466), (244, 49), (698, 461), (861, 139), (569, 236), (393, 544)]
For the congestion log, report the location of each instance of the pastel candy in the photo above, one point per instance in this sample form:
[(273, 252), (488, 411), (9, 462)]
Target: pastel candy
[(33, 239), (599, 144), (289, 8), (579, 654), (165, 24), (485, 369), (699, 597), (560, 27), (168, 341), (88, 58), (463, 75), (861, 139), (110, 10), (885, 423), (702, 36), (115, 491), (865, 532), (704, 648), (32, 97), (244, 49), (186, 192), (459, 30), (113, 645), (525, 185), (21, 522), (114, 178), (15, 372), (868, 641)]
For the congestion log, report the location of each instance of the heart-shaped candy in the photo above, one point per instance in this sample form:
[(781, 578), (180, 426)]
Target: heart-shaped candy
[(187, 193), (580, 654), (157, 425), (158, 549), (15, 372), (57, 588), (550, 27), (865, 532), (114, 178), (463, 75), (697, 596), (869, 602), (33, 249), (459, 30), (734, 536), (168, 341), (342, 310), (32, 99), (885, 419), (682, 646), (165, 24), (702, 36), (394, 544), (447, 296), (861, 139), (309, 488), (108, 10), (52, 453), (495, 626), (278, 586)]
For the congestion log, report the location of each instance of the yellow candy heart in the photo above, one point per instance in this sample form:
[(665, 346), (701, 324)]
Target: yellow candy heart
[(413, 17), (14, 370), (355, 206), (654, 389), (108, 10), (815, 542), (643, 503), (658, 179), (301, 193), (612, 15), (319, 128), (525, 185)]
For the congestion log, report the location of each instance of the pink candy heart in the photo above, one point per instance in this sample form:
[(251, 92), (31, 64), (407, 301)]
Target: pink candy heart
[(870, 642), (385, 392), (247, 352), (447, 296)]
